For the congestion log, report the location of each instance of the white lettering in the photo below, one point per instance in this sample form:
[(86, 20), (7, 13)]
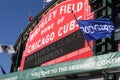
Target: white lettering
[(97, 28), (41, 42), (69, 7), (66, 28)]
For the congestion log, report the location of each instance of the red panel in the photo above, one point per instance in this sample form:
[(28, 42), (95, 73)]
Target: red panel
[(57, 24)]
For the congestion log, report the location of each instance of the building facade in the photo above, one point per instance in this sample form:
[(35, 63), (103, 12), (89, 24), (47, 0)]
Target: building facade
[(101, 9)]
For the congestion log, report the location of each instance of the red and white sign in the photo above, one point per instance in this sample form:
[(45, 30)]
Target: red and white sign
[(57, 24)]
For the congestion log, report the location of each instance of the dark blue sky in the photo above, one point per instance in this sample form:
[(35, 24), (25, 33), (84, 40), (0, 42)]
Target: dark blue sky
[(14, 16)]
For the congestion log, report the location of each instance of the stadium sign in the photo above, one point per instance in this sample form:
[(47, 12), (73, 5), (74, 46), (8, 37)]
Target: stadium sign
[(57, 24)]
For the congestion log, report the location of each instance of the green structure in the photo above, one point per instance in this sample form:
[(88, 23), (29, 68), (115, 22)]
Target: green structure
[(107, 63)]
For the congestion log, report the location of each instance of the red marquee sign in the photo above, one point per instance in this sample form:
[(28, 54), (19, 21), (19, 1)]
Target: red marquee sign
[(57, 24)]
